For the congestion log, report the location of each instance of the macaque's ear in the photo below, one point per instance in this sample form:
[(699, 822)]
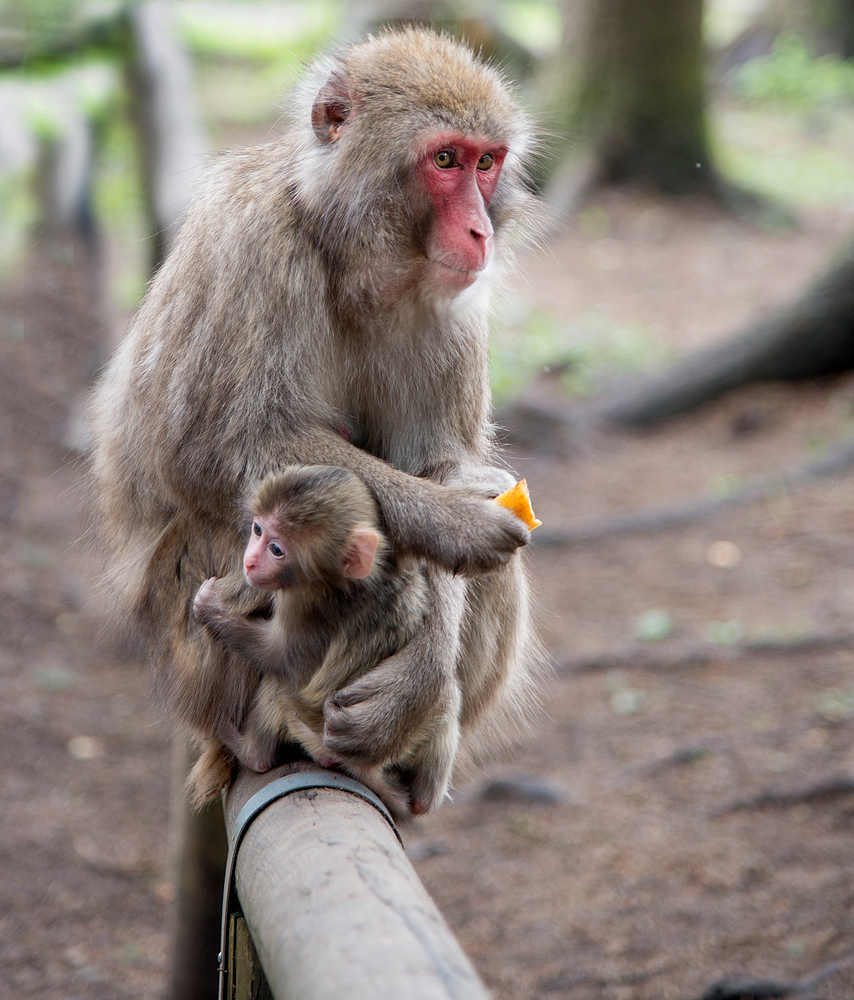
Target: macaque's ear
[(331, 110), (360, 553)]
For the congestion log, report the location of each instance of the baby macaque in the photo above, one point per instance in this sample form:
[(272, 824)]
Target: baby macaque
[(342, 603)]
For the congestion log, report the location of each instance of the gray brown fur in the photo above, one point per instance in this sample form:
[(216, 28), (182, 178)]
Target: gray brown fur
[(292, 324), (326, 631)]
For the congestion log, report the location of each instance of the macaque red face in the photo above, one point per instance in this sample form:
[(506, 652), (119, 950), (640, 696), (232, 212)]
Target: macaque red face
[(269, 560), (460, 175)]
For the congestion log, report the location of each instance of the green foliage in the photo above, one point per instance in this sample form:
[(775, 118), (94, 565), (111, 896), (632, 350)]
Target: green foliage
[(835, 704), (45, 22), (529, 342), (119, 204), (725, 486), (18, 214), (765, 151), (725, 633), (536, 24), (46, 36), (791, 134), (247, 58), (624, 699), (265, 34), (793, 78), (654, 626)]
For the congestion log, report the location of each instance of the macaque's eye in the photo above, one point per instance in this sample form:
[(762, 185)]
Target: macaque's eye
[(276, 550), (444, 159), (485, 162), (256, 529)]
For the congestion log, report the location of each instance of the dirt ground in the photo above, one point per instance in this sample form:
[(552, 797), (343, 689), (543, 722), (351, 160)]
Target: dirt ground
[(634, 855)]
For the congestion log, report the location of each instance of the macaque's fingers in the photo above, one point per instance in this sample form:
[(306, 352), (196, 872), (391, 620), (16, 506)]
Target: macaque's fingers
[(206, 603), (481, 537), (393, 793), (497, 538), (351, 695), (484, 481)]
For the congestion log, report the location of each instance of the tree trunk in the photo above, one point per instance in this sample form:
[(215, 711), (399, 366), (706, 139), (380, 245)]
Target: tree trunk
[(171, 139), (630, 91)]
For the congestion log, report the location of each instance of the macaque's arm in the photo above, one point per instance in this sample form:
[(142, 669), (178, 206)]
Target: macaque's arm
[(256, 639), (449, 525)]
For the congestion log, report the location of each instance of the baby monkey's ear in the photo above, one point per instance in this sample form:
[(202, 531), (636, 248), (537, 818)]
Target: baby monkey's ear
[(360, 553)]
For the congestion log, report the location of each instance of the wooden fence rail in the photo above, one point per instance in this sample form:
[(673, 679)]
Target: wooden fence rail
[(333, 906)]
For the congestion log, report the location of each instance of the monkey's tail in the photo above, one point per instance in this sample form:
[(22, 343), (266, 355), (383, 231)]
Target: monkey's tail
[(213, 771)]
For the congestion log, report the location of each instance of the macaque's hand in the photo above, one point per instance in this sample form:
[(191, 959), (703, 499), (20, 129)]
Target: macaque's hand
[(207, 604), (468, 533), (479, 535), (483, 480)]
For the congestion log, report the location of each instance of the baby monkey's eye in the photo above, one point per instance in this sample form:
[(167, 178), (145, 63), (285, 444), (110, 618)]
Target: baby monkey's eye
[(276, 550), (256, 529), (485, 162), (444, 159)]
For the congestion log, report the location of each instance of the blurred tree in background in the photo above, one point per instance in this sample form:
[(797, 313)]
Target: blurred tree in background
[(627, 98)]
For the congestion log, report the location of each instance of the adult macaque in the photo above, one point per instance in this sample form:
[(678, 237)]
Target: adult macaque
[(326, 303), (342, 604)]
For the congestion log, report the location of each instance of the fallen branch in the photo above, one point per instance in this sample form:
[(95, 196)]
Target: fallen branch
[(665, 517), (820, 791), (769, 989), (676, 655), (808, 338)]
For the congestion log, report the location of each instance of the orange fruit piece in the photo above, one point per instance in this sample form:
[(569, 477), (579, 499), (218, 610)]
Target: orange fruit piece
[(518, 499)]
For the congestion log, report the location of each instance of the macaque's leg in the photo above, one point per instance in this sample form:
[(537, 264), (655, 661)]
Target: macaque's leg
[(500, 661), (428, 774), (271, 722), (376, 718), (254, 749), (391, 792)]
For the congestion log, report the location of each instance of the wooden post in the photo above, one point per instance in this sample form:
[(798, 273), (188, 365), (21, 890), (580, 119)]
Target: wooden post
[(199, 850), (333, 905)]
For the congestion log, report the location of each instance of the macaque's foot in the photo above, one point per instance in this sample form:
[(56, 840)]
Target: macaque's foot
[(358, 724), (213, 771), (255, 758), (260, 764), (427, 793)]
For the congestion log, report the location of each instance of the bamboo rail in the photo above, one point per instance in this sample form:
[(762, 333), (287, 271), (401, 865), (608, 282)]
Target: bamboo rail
[(332, 904)]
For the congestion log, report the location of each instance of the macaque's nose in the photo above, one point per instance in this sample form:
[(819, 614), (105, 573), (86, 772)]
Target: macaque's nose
[(482, 237)]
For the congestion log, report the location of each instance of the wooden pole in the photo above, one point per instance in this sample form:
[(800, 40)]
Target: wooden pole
[(333, 905)]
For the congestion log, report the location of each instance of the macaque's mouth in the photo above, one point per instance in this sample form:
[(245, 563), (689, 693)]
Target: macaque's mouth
[(460, 270), (470, 274)]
